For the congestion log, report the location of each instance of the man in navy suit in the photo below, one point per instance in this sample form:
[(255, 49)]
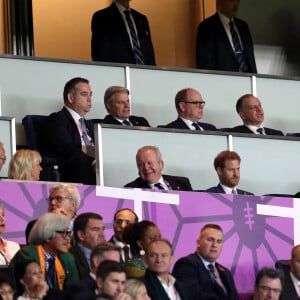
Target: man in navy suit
[(150, 165), (227, 166), (67, 140), (190, 106), (251, 112), (117, 104), (291, 286), (268, 285), (199, 271), (215, 48), (111, 36)]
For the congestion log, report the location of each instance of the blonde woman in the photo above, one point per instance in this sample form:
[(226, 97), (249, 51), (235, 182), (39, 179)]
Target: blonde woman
[(136, 289), (25, 165)]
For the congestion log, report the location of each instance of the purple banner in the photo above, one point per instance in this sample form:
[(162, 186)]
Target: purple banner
[(252, 239)]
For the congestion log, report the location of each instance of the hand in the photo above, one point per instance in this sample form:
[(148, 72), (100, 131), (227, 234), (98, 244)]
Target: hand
[(40, 289)]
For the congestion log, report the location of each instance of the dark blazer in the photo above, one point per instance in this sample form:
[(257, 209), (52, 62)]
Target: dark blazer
[(213, 48), (136, 121), (179, 124), (156, 291), (81, 262), (191, 271), (245, 129), (218, 189), (288, 292), (62, 140), (174, 182), (110, 39), (83, 289)]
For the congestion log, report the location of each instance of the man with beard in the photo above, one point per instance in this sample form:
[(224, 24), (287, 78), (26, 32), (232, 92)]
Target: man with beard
[(227, 166), (251, 112)]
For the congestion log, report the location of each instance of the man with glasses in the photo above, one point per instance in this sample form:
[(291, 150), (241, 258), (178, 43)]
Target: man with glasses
[(2, 155), (89, 232), (49, 244), (64, 198), (122, 218), (69, 137), (291, 286), (268, 285), (190, 107)]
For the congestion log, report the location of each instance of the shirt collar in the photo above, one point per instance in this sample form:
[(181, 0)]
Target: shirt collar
[(73, 113), (227, 189), (253, 128)]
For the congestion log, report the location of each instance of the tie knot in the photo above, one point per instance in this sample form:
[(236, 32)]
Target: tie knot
[(211, 267), (159, 186), (126, 122), (260, 130), (127, 12), (196, 125)]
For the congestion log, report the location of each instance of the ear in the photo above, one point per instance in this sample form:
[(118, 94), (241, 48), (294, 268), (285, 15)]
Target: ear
[(219, 171), (242, 115), (99, 283), (140, 244), (70, 98), (181, 106), (80, 235), (172, 259), (162, 164)]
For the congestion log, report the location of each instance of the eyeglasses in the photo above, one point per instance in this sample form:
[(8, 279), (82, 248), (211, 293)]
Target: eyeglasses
[(268, 289), (65, 234), (120, 222), (3, 159), (57, 198), (196, 103)]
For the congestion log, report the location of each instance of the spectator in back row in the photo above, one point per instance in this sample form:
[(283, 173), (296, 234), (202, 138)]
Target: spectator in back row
[(121, 35), (190, 106), (227, 166), (251, 112), (150, 165), (25, 165), (117, 104), (69, 137)]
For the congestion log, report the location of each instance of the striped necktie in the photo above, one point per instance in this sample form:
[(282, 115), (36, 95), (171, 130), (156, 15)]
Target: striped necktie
[(85, 137), (240, 55), (139, 59)]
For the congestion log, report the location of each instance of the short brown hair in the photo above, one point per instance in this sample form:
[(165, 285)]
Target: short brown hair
[(221, 158)]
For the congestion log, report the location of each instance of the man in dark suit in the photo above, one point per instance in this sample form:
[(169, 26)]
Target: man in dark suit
[(227, 166), (159, 282), (251, 112), (222, 45), (114, 41), (69, 137), (150, 165), (89, 232), (190, 106), (268, 285), (85, 288), (117, 104), (199, 271), (291, 285), (122, 218)]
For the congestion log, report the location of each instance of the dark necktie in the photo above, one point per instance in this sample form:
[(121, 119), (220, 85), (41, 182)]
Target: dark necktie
[(196, 125), (159, 186), (234, 192), (126, 252), (240, 55), (139, 59), (215, 279), (260, 130), (126, 123), (51, 274), (85, 137)]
